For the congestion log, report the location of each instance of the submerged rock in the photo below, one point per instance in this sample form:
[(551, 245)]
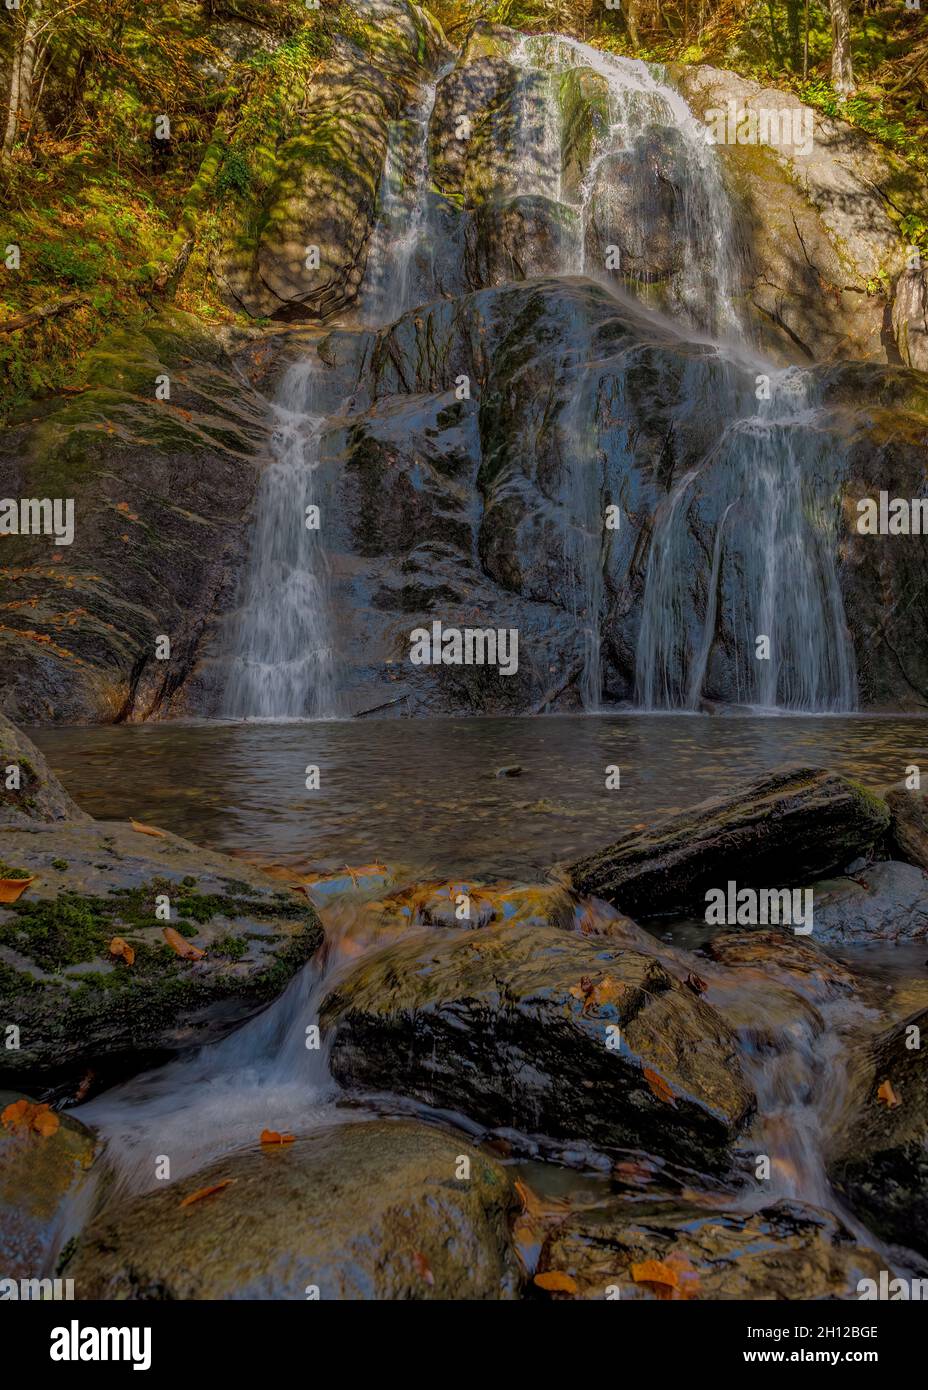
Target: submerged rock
[(787, 827), (44, 1184), (538, 1029), (39, 796), (81, 1006), (879, 1163), (378, 1210), (784, 1251), (886, 901)]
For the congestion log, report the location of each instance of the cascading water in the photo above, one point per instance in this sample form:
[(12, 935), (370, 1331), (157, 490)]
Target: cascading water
[(398, 273), (775, 538), (639, 101), (283, 664)]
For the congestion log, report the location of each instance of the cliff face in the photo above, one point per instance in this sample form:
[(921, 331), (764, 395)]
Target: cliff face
[(479, 423)]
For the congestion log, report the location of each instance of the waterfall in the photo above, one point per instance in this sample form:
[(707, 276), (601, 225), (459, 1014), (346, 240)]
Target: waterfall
[(396, 277), (283, 664), (640, 101)]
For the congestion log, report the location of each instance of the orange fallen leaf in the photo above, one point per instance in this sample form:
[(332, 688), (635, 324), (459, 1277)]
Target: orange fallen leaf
[(423, 1268), (654, 1272), (888, 1096), (122, 949), (26, 1116), (183, 947), (206, 1192), (147, 829), (270, 1136), (658, 1086), (556, 1281)]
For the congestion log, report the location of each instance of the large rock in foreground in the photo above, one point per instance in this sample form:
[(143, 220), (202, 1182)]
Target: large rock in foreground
[(80, 1005), (361, 1211), (538, 1029), (39, 796), (880, 1166), (787, 827), (785, 1251)]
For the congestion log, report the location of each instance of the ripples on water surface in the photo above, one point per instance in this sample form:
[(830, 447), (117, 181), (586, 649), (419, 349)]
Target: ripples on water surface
[(424, 793)]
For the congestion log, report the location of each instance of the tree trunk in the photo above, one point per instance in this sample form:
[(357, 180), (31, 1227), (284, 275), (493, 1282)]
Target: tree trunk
[(842, 71), (19, 106)]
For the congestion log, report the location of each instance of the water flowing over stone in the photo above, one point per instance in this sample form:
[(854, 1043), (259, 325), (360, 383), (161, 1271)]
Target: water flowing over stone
[(769, 481), (400, 262), (283, 664)]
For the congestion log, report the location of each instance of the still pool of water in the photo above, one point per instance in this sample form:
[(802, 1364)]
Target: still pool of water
[(424, 794)]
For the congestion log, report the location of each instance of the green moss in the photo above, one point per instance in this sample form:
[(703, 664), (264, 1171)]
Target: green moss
[(60, 864), (230, 946), (57, 933)]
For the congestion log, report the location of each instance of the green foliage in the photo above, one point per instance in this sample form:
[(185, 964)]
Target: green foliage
[(69, 264), (234, 175)]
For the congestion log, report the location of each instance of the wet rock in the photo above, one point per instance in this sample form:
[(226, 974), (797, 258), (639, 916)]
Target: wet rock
[(80, 1008), (162, 495), (517, 238), (362, 1211), (879, 1163), (40, 796), (44, 1190), (637, 207), (887, 901), (909, 831), (513, 770), (583, 96), (511, 1025), (787, 1250), (784, 828)]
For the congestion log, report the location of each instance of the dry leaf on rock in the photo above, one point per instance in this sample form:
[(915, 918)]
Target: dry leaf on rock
[(181, 945)]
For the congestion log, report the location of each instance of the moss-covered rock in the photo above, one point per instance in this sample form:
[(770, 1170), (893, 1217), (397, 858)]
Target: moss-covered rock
[(375, 1210), (535, 1028), (80, 1005)]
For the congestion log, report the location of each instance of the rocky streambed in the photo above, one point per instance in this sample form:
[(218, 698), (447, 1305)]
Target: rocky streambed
[(351, 1084)]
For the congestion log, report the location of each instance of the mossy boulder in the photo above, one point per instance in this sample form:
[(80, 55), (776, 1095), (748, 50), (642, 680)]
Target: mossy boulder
[(80, 1005), (45, 1187), (377, 1210), (39, 796), (787, 827), (535, 1028)]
